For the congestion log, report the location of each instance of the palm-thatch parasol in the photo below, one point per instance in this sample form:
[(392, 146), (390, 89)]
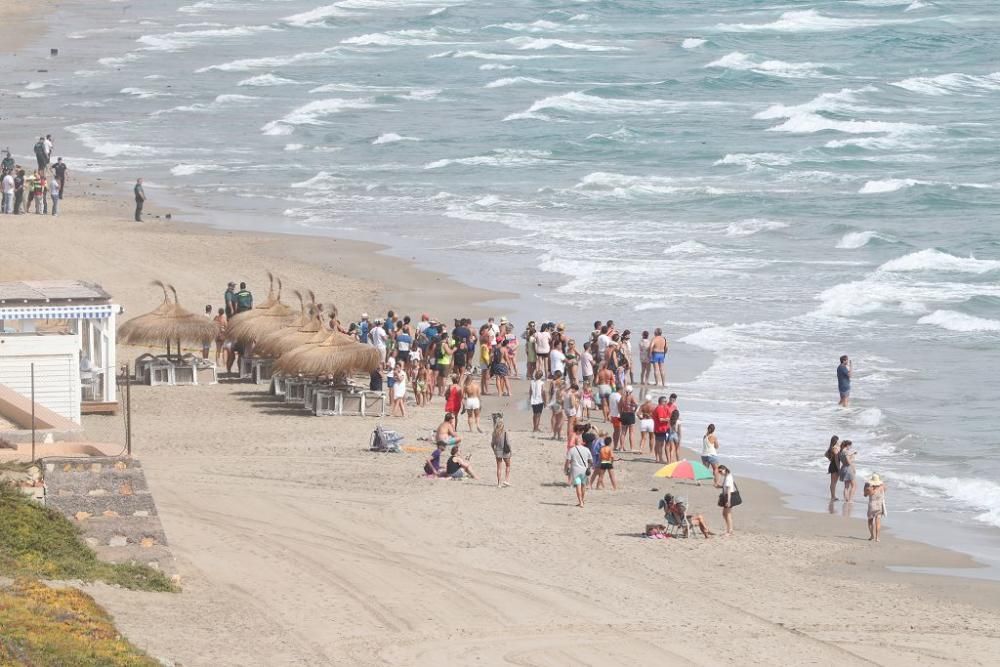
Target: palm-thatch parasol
[(268, 345), (129, 329), (336, 356), (168, 323), (286, 340), (247, 330)]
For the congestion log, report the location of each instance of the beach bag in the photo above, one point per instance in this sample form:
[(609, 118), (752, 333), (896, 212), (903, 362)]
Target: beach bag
[(734, 498)]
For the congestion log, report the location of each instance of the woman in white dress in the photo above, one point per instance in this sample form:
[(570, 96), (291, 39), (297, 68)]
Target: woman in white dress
[(399, 391)]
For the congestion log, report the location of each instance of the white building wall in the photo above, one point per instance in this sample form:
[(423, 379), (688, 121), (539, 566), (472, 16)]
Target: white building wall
[(57, 370)]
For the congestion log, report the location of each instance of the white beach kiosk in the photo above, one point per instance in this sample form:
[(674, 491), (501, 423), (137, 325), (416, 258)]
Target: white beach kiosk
[(66, 328)]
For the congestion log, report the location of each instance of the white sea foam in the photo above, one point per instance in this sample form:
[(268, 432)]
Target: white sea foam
[(537, 26), (604, 184), (808, 20), (221, 102), (313, 114), (854, 240), (488, 200), (489, 67), (869, 417), (391, 138), (516, 80), (118, 61), (888, 185), (178, 41), (935, 260), (317, 16), (755, 160), (749, 63), (397, 38), (420, 94), (484, 55), (538, 44), (692, 43), (191, 169), (266, 80), (291, 148), (844, 101), (949, 84), (952, 320), (583, 103), (270, 62), (806, 118), (687, 248), (981, 494), (142, 93), (498, 158), (753, 226)]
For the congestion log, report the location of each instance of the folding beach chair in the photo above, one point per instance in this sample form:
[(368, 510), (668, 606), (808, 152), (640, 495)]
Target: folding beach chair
[(384, 440)]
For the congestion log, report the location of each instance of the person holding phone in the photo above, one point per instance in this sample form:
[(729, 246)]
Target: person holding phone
[(844, 371)]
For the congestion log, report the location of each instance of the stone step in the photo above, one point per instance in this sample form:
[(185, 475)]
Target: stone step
[(133, 529), (96, 505)]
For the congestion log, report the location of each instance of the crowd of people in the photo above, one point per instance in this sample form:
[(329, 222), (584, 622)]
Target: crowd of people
[(426, 361), (23, 188)]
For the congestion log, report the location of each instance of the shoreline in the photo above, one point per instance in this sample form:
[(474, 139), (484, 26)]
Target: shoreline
[(273, 512)]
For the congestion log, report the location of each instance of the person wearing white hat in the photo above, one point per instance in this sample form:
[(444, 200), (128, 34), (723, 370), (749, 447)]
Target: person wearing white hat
[(875, 492)]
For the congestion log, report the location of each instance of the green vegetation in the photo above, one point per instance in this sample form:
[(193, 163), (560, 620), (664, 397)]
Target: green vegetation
[(45, 627), (39, 542)]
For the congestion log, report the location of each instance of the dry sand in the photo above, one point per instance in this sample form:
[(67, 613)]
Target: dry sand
[(298, 547)]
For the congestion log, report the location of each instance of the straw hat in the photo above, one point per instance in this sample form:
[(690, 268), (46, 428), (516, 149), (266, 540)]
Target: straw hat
[(875, 480)]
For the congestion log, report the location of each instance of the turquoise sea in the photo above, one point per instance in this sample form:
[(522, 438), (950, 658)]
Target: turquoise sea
[(778, 183)]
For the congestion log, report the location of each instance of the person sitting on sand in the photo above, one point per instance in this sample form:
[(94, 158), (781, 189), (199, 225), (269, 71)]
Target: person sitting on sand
[(432, 467), (446, 433), (458, 467), (675, 511)]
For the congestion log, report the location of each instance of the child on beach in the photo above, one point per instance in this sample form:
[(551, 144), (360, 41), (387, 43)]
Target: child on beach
[(607, 459), (587, 400)]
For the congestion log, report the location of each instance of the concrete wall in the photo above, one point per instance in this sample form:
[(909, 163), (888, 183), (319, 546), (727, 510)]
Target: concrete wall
[(57, 370)]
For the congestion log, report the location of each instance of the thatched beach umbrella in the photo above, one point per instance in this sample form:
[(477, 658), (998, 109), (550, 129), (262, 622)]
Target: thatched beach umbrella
[(266, 344), (283, 342), (337, 356), (130, 328), (170, 323), (247, 330)]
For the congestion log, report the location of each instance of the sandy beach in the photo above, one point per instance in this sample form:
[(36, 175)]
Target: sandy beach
[(298, 547)]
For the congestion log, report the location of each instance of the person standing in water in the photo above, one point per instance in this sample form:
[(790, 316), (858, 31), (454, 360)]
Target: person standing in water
[(833, 456), (844, 381), (657, 356), (846, 465)]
